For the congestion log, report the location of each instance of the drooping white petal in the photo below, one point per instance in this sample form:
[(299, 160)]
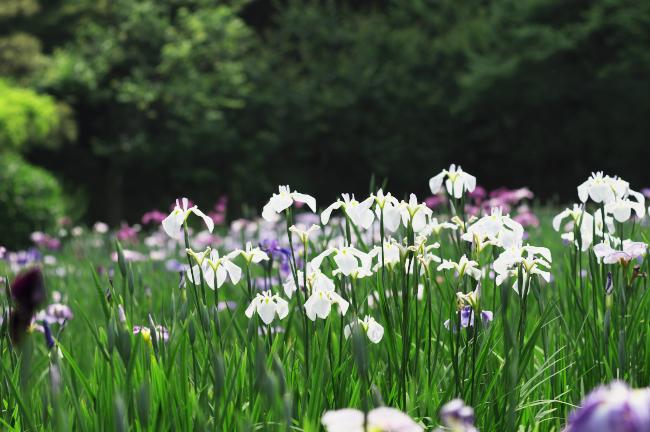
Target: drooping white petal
[(634, 248), (544, 274), (365, 219), (251, 308), (500, 278), (289, 286), (304, 198), (583, 191), (323, 283), (435, 182), (221, 275), (391, 218), (602, 249), (309, 307), (375, 331), (470, 182), (539, 250), (173, 224), (258, 256), (207, 219), (474, 272), (195, 275), (269, 214), (320, 306), (639, 209), (346, 262), (343, 304), (280, 202), (234, 254), (233, 270), (325, 216), (419, 221), (282, 308), (266, 310), (557, 220), (318, 260), (446, 265), (454, 188), (208, 274)]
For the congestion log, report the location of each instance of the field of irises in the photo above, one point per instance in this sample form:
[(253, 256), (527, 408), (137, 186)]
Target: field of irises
[(470, 310)]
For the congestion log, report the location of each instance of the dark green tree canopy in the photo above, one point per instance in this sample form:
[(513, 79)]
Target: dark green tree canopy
[(193, 97)]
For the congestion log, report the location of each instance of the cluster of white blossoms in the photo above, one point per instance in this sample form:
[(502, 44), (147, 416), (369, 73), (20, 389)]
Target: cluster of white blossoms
[(614, 194), (356, 243), (321, 280), (343, 253), (506, 235), (614, 202)]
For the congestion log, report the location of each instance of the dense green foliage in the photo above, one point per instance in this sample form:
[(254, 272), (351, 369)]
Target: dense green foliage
[(24, 117), (30, 199), (222, 371), (171, 95)]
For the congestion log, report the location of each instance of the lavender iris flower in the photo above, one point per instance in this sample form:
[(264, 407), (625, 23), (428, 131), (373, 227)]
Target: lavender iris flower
[(276, 253), (467, 318), (613, 408), (22, 259), (223, 305), (49, 340), (173, 265), (457, 416), (609, 285), (56, 313), (274, 250)]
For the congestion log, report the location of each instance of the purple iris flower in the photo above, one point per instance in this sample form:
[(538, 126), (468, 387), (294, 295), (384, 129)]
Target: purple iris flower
[(49, 340), (467, 318), (223, 305), (274, 250), (609, 285), (56, 313), (613, 408), (276, 253), (173, 265), (457, 416), (25, 258)]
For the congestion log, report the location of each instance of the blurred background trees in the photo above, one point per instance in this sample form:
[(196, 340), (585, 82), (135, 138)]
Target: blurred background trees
[(131, 103)]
